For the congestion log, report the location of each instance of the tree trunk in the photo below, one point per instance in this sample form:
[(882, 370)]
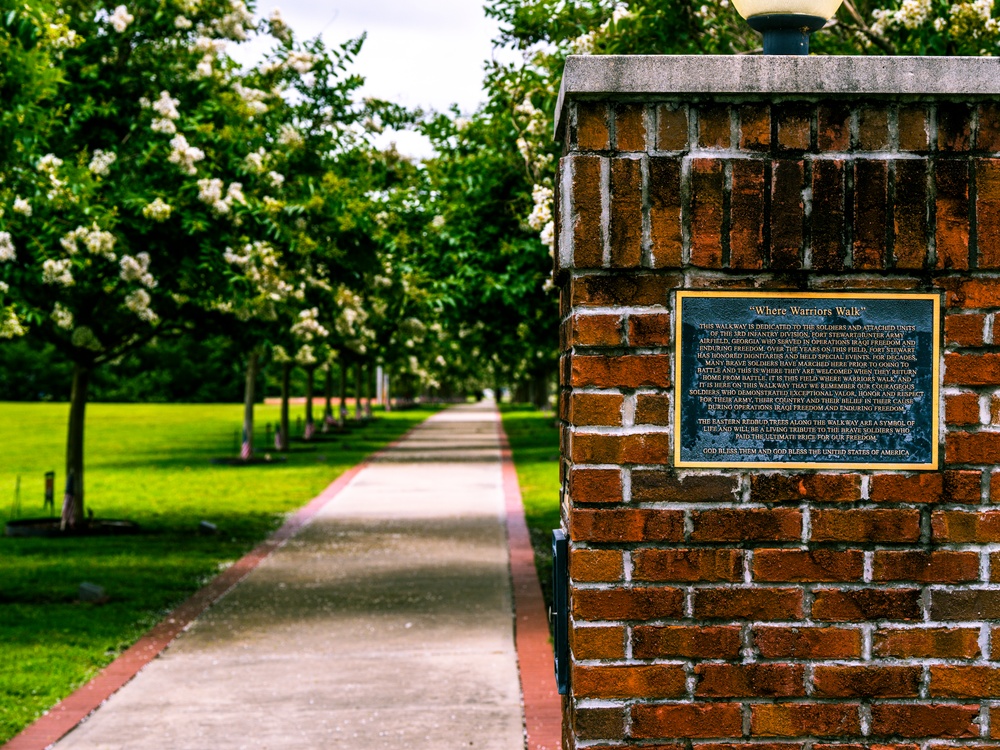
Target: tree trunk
[(370, 389), (358, 380), (328, 396), (310, 386), (386, 391), (253, 364), (342, 412), (286, 375), (73, 508), (540, 390)]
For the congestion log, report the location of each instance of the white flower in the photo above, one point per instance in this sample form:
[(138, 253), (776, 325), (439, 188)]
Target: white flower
[(254, 161), (166, 106), (10, 326), (7, 251), (308, 327), (62, 317), (158, 210), (276, 179), (57, 272), (138, 302), (99, 242), (438, 222), (234, 24), (305, 356), (184, 155), (548, 236), (209, 190), (94, 239), (302, 62), (279, 29), (22, 206), (252, 98), (541, 214), (289, 136), (182, 22), (234, 193), (137, 269), (101, 161), (49, 163), (204, 68), (4, 288), (163, 125), (278, 354), (121, 18)]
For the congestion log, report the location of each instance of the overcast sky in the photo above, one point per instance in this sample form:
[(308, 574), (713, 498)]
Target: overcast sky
[(426, 53)]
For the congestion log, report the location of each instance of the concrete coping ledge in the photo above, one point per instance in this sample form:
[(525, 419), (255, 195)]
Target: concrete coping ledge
[(632, 76)]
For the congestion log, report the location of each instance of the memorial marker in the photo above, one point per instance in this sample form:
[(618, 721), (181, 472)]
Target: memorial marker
[(806, 380)]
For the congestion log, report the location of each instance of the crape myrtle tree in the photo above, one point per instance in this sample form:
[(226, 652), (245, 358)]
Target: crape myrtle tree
[(483, 245), (119, 222), (32, 39), (98, 253), (303, 161)]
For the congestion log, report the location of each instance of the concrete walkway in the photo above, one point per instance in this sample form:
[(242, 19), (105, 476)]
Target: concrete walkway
[(385, 623)]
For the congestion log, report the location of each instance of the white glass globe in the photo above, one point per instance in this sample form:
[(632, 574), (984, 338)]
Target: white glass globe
[(820, 8)]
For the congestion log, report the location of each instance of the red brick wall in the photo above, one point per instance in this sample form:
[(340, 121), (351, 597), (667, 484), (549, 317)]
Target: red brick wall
[(719, 609)]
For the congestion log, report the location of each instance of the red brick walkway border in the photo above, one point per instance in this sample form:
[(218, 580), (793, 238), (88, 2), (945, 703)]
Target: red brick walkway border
[(542, 704), (542, 708)]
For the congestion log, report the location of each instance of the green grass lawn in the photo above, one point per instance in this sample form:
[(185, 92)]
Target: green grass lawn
[(150, 464), (534, 442)]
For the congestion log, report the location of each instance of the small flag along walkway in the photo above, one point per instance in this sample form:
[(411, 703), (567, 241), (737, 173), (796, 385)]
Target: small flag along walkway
[(381, 616)]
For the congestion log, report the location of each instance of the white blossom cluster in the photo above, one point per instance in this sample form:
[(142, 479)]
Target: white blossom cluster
[(253, 99), (911, 15), (210, 192), (10, 326), (279, 29), (57, 272), (290, 137), (7, 250), (138, 302), (158, 210), (308, 327), (62, 317), (49, 165), (137, 269), (260, 266), (121, 19), (235, 24), (184, 154), (305, 356), (22, 206), (254, 161), (301, 62), (541, 216), (96, 240), (101, 161), (209, 49), (166, 108)]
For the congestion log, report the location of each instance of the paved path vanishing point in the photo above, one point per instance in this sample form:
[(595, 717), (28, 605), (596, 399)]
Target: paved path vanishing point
[(384, 623)]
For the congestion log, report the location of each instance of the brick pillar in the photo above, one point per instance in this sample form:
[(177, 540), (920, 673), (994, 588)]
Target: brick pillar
[(723, 608)]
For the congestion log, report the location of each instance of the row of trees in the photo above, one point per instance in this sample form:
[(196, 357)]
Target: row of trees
[(152, 188)]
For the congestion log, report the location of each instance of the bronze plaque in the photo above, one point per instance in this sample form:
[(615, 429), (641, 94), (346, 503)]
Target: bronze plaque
[(806, 380)]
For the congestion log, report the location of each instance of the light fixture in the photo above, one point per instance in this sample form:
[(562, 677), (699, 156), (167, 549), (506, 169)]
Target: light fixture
[(786, 24)]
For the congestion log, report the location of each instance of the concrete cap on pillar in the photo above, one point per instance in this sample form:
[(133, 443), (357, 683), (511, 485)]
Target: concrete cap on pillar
[(635, 76)]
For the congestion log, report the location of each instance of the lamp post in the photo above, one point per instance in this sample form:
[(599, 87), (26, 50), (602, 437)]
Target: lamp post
[(786, 24)]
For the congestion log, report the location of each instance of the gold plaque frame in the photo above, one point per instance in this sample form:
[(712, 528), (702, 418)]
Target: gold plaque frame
[(933, 464)]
